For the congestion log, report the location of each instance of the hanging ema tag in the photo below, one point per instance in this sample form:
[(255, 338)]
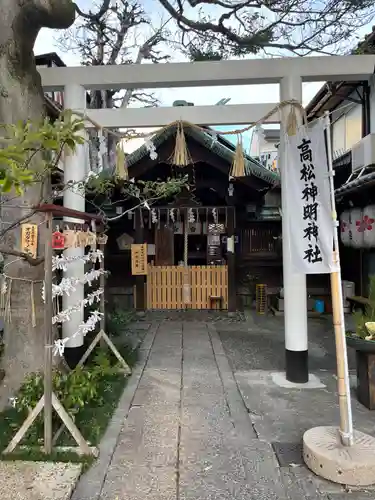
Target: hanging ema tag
[(58, 241), (70, 238), (82, 237), (91, 239), (102, 239)]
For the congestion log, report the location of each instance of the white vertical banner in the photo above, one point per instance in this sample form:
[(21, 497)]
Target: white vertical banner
[(309, 206)]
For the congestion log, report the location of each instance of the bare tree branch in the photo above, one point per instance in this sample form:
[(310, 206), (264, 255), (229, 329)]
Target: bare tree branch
[(145, 52), (22, 255), (94, 17), (243, 27), (116, 33)]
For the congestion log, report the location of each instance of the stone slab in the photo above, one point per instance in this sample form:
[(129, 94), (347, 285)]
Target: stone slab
[(143, 464), (215, 442), (140, 483), (235, 401), (297, 489), (283, 415), (38, 480), (230, 470), (90, 485)]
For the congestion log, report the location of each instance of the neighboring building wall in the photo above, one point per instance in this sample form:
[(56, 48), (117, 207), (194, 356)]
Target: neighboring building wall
[(357, 264), (265, 147), (372, 104), (269, 159), (346, 127)]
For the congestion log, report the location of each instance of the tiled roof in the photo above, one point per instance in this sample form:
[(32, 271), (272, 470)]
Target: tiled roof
[(219, 146)]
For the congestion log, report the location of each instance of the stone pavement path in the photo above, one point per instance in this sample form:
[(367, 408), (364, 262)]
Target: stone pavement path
[(187, 435)]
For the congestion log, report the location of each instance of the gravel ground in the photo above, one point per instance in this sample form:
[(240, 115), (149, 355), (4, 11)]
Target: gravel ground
[(38, 480)]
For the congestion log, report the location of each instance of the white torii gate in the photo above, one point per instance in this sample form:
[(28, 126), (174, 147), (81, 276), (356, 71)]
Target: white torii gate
[(289, 73)]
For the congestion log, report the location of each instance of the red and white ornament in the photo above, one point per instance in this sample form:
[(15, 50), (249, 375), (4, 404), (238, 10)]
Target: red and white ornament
[(357, 227), (368, 223), (345, 229), (58, 241)]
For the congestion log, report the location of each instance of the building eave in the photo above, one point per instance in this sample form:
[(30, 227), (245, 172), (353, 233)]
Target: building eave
[(42, 59), (328, 98), (356, 185)]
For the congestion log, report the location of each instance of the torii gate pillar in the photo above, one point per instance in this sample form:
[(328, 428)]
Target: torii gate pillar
[(295, 293), (74, 170)]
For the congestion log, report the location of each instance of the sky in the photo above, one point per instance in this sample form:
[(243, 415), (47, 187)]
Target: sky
[(47, 42)]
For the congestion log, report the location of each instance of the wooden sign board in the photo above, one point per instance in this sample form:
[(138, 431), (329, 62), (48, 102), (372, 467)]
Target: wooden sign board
[(139, 259), (29, 239)]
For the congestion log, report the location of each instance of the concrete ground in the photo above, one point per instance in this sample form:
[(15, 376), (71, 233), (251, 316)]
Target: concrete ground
[(201, 417)]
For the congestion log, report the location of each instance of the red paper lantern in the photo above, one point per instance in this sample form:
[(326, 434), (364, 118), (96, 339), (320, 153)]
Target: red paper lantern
[(58, 241)]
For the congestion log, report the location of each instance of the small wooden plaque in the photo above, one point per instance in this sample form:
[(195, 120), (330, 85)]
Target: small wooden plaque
[(139, 259), (29, 239)]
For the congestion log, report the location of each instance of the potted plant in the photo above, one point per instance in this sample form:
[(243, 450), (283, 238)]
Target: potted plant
[(362, 339)]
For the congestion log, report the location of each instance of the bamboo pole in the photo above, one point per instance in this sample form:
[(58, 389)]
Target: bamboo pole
[(48, 314), (343, 384)]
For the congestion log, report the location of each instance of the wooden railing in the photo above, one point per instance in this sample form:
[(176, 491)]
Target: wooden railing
[(205, 286)]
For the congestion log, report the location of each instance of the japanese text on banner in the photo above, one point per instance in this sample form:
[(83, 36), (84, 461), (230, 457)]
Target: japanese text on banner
[(309, 206)]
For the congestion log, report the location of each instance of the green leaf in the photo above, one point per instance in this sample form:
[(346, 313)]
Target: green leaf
[(78, 125), (52, 144), (6, 185), (70, 143)]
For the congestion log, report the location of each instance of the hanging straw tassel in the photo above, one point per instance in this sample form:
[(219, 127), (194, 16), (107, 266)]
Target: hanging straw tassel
[(291, 125), (33, 315), (238, 165), (121, 169), (181, 156)]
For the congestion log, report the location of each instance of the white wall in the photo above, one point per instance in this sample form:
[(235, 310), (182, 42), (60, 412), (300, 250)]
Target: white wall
[(346, 126), (267, 146), (268, 153), (372, 104), (269, 159)]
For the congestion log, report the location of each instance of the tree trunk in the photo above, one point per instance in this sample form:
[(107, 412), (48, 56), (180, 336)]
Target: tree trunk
[(21, 98)]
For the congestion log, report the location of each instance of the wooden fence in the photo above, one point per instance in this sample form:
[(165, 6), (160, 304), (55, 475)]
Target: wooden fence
[(206, 287)]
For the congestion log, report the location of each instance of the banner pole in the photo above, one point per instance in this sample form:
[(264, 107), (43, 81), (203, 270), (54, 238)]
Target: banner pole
[(346, 420)]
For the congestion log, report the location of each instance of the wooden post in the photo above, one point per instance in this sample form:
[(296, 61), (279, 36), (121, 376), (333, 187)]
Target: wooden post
[(366, 379), (140, 304), (48, 313), (231, 262), (186, 283)]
